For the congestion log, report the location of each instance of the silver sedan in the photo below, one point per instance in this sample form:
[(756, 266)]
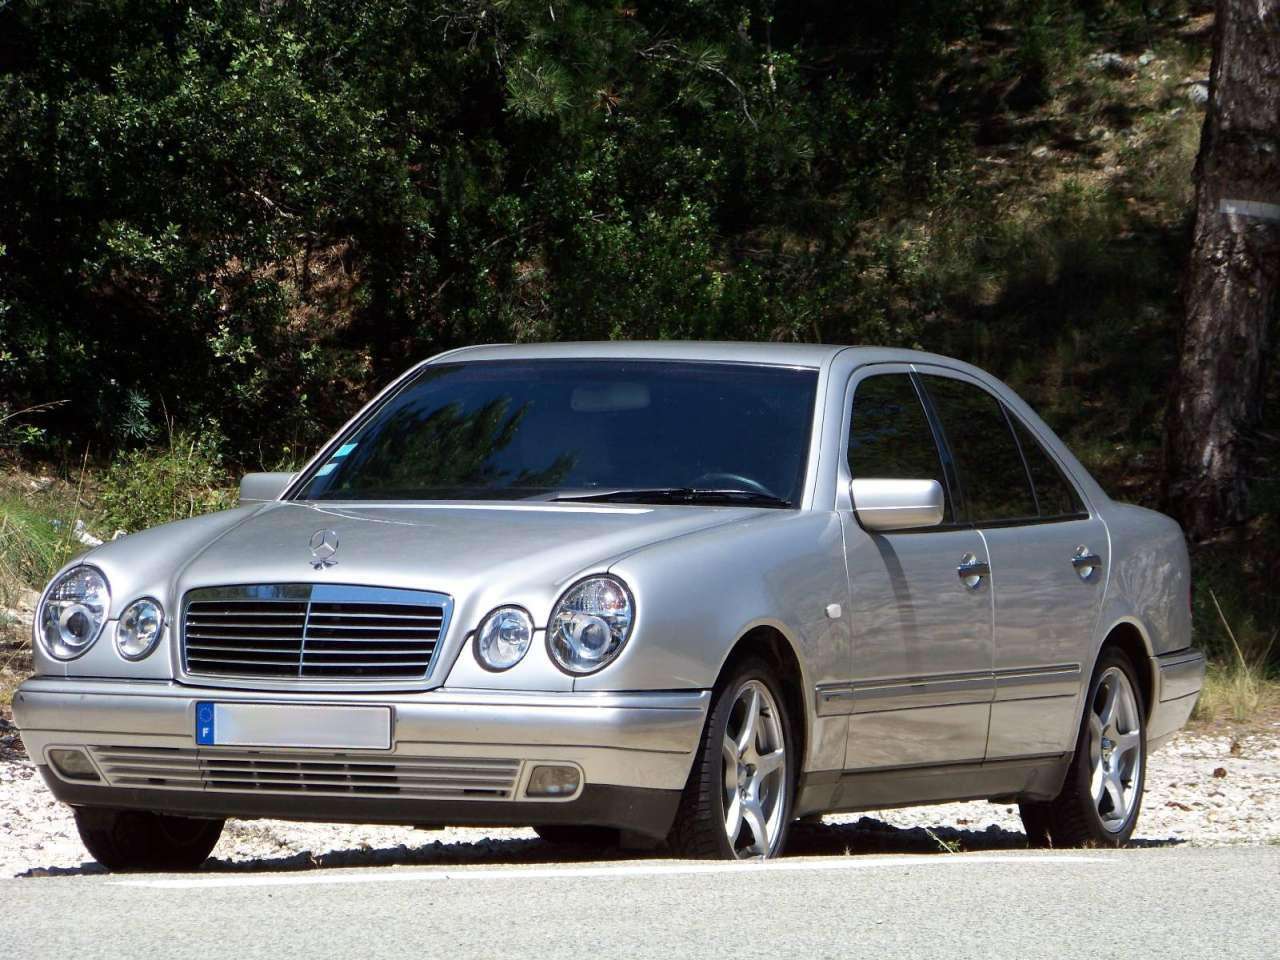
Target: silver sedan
[(628, 592)]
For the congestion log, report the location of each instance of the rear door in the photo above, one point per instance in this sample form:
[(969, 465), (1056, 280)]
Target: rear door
[(1047, 555)]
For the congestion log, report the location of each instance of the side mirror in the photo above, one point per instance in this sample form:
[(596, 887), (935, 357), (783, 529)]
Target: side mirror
[(261, 487), (897, 504)]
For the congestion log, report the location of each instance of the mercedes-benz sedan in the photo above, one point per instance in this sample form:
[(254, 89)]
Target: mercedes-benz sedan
[(628, 591)]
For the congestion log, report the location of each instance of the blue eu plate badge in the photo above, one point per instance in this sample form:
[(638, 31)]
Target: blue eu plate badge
[(204, 723)]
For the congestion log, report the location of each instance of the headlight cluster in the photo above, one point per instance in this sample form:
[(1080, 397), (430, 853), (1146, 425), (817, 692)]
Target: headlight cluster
[(504, 637), (589, 624), (75, 609), (139, 629)]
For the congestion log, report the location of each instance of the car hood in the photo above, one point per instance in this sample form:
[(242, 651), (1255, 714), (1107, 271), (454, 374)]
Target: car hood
[(479, 552)]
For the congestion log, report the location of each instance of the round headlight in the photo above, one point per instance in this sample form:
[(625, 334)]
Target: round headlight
[(139, 628), (589, 624), (504, 637), (73, 612)]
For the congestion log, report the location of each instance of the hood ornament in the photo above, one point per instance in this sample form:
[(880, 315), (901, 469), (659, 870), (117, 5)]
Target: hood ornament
[(324, 544)]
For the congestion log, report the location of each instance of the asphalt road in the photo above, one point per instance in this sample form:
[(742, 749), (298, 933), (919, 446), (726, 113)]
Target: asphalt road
[(1161, 903)]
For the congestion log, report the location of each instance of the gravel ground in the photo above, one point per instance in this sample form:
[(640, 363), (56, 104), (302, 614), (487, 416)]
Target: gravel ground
[(1202, 790)]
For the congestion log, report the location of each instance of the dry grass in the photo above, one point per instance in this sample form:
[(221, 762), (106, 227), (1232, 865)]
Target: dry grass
[(15, 654), (14, 668), (1240, 688), (1235, 692)]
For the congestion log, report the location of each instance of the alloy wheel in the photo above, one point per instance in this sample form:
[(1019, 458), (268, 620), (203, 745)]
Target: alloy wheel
[(1115, 749), (755, 772)]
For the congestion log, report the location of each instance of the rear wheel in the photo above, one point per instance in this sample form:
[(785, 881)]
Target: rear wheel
[(123, 840), (1102, 795), (737, 803)]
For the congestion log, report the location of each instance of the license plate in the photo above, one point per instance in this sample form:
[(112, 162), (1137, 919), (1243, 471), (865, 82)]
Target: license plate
[(288, 725)]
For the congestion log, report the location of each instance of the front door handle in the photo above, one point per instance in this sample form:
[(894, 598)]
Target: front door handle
[(1085, 562), (972, 570)]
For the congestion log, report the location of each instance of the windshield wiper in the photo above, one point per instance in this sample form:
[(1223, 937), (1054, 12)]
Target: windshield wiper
[(749, 498)]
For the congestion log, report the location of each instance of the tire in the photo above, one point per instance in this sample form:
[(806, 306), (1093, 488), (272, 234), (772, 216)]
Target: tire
[(125, 840), (1102, 794), (757, 791), (573, 835)]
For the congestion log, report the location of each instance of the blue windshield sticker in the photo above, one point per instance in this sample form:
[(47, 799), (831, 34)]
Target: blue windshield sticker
[(205, 714), (344, 450), (327, 469)]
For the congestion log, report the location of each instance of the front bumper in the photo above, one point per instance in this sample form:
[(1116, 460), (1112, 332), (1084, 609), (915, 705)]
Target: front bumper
[(457, 757)]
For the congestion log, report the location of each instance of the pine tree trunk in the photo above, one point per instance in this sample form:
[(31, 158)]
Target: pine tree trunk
[(1233, 279)]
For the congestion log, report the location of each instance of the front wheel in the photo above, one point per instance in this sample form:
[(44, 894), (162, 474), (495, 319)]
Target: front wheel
[(123, 840), (1100, 800), (737, 803)]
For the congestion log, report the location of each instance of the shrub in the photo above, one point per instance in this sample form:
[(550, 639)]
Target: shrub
[(143, 488)]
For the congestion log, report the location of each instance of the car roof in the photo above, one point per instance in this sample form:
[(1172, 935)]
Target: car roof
[(782, 354)]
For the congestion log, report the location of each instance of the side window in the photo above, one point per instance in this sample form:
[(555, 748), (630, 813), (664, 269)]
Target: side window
[(1058, 498), (889, 435), (992, 475)]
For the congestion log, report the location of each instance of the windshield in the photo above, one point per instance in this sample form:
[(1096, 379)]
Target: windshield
[(543, 429)]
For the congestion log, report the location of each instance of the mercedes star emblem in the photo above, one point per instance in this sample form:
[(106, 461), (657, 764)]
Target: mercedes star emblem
[(324, 544)]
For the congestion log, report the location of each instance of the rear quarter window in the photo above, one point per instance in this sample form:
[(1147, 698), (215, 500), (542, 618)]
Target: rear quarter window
[(1055, 493)]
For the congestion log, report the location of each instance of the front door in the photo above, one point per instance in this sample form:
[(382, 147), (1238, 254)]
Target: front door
[(920, 605)]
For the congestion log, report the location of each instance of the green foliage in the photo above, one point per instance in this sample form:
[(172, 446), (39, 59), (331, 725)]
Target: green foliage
[(143, 488), (18, 428), (1051, 34), (1080, 322), (14, 432), (254, 213)]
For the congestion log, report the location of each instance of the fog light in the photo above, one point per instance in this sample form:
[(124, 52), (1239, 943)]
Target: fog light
[(553, 782), (73, 764)]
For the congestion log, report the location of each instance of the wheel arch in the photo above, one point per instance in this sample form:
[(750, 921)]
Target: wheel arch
[(771, 642), (1128, 635)]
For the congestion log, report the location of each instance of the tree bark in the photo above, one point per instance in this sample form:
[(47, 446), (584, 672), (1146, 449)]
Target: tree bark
[(1233, 278)]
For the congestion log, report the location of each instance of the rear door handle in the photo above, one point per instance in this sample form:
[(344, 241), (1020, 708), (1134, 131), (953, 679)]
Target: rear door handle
[(972, 570), (1085, 562)]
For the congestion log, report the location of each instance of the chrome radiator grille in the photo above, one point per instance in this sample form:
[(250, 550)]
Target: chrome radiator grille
[(262, 771), (319, 632)]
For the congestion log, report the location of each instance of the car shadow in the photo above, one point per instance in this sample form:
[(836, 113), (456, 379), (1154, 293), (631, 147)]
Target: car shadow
[(863, 836), (867, 835), (808, 839), (438, 853)]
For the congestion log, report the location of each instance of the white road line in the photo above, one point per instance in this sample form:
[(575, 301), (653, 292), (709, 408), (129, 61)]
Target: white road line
[(385, 875)]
